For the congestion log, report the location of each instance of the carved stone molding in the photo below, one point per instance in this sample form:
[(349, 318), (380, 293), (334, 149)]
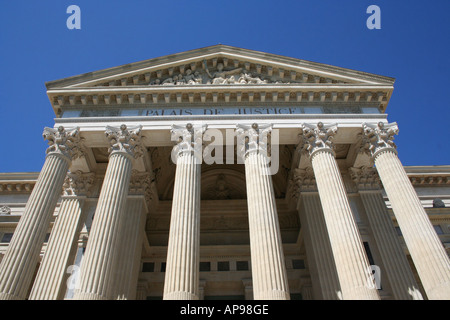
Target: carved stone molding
[(377, 138), (17, 186), (318, 137), (66, 142), (189, 139), (253, 138), (429, 180), (365, 178), (78, 183), (125, 140), (5, 210)]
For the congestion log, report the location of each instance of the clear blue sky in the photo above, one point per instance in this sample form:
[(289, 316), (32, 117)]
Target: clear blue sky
[(412, 46)]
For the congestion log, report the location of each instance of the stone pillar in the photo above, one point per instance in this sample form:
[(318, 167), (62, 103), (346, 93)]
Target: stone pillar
[(398, 271), (131, 237), (21, 258), (183, 251), (98, 267), (267, 258), (50, 282), (317, 241), (352, 265), (427, 252)]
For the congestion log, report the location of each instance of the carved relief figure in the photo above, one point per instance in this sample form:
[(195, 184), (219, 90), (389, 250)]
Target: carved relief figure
[(220, 76)]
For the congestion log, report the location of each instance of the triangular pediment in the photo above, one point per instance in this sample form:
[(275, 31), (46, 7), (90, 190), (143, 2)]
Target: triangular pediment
[(219, 74), (220, 65)]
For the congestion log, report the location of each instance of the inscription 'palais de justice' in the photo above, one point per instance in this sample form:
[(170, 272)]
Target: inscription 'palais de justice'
[(217, 111)]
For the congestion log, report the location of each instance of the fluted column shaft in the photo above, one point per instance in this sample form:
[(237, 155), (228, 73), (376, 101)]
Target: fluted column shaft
[(50, 282), (131, 239), (183, 250), (50, 279), (427, 252), (398, 271), (351, 261), (352, 264), (18, 266), (318, 246), (97, 272), (267, 257), (424, 245)]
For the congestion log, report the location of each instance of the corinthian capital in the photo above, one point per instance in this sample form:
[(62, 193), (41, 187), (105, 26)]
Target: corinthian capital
[(365, 178), (141, 184), (63, 142), (189, 139), (253, 138), (305, 179), (125, 140), (379, 137), (318, 137), (78, 183)]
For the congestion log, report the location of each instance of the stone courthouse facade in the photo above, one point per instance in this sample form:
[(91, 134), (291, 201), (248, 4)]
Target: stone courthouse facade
[(224, 173)]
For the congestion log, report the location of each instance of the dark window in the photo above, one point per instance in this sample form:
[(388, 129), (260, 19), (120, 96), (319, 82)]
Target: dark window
[(148, 267), (205, 266), (298, 264), (369, 254), (241, 265), (223, 266), (163, 267), (7, 237)]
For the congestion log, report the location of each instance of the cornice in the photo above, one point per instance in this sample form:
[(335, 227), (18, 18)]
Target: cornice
[(123, 97)]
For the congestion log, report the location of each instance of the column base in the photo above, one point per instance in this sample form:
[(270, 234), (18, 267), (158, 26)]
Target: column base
[(361, 293), (272, 295), (8, 296), (89, 296), (439, 292), (180, 296)]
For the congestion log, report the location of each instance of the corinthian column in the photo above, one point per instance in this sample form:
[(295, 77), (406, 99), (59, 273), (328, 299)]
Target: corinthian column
[(50, 279), (183, 250), (398, 271), (19, 263), (427, 251), (352, 265), (268, 265), (98, 268)]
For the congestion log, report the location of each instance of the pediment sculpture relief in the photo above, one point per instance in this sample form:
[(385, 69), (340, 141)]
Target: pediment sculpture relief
[(218, 76)]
